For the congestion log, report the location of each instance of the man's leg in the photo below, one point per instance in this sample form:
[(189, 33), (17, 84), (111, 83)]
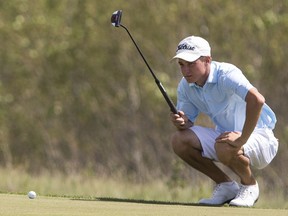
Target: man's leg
[(236, 161), (240, 165), (188, 147)]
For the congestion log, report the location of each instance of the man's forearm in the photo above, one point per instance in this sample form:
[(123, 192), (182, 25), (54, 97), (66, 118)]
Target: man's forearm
[(254, 105)]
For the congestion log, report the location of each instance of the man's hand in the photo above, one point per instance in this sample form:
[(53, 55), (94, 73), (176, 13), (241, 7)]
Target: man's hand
[(232, 138), (180, 120)]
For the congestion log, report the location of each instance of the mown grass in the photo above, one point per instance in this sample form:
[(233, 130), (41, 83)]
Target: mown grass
[(21, 205), (91, 187)]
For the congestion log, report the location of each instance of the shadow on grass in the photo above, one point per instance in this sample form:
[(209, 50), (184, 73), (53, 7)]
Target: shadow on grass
[(139, 201)]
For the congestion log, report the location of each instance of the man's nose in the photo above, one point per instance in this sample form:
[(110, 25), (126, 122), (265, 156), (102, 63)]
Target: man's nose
[(185, 69)]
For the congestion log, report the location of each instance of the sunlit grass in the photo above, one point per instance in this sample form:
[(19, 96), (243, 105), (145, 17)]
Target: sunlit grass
[(19, 205), (88, 185), (75, 184)]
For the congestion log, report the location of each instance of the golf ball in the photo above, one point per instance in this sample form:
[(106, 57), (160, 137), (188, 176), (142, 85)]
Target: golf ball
[(32, 194)]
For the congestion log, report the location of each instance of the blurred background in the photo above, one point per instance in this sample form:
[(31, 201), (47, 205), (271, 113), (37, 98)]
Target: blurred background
[(76, 97)]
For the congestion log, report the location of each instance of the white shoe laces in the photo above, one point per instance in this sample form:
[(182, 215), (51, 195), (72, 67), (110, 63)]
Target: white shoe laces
[(243, 192)]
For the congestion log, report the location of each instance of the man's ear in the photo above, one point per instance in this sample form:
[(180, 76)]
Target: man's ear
[(207, 59)]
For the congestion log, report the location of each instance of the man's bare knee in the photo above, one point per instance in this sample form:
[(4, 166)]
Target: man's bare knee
[(224, 153), (183, 140), (178, 143)]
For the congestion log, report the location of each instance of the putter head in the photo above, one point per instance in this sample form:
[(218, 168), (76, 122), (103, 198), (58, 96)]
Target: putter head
[(116, 18)]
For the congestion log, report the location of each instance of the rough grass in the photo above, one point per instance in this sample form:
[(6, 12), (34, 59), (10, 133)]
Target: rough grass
[(91, 187)]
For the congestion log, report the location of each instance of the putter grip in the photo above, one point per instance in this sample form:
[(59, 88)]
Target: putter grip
[(167, 98)]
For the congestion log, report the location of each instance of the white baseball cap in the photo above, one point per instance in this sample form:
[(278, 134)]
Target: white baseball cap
[(192, 48)]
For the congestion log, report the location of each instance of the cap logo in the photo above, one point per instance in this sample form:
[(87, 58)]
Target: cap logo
[(185, 46)]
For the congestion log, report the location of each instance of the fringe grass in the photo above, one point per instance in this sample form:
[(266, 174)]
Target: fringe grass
[(88, 186)]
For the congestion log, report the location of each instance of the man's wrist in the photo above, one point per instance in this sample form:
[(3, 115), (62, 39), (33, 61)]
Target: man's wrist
[(242, 140)]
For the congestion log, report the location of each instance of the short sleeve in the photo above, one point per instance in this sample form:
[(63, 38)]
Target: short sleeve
[(236, 82)]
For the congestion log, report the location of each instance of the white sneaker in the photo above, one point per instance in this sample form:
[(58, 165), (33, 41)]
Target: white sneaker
[(223, 193), (247, 196)]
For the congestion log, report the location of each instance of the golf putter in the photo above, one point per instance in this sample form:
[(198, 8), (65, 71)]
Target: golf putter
[(116, 22)]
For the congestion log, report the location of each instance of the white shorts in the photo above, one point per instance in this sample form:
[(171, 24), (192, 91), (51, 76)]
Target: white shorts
[(260, 148)]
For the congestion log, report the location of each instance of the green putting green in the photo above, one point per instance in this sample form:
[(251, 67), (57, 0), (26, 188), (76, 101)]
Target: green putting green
[(21, 205)]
